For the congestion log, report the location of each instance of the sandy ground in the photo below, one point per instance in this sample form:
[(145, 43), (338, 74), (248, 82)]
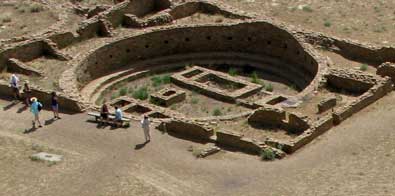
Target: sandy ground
[(355, 158)]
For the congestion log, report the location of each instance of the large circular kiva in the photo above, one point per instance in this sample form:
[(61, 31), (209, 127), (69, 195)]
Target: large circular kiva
[(232, 67)]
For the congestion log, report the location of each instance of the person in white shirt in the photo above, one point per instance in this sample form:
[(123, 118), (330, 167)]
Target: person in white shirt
[(118, 116), (14, 80), (145, 125)]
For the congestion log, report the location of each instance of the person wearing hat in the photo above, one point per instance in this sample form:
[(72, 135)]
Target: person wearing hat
[(35, 108), (145, 125)]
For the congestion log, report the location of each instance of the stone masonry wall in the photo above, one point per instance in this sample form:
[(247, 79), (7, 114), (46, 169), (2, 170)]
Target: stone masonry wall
[(266, 39)]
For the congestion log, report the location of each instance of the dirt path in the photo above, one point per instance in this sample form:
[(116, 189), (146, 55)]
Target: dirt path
[(355, 158)]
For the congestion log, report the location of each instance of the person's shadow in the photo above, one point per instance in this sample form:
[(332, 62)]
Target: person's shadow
[(49, 121), (9, 106), (22, 109), (32, 129), (140, 146)]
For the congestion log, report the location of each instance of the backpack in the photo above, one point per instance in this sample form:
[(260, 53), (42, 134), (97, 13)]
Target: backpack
[(39, 106)]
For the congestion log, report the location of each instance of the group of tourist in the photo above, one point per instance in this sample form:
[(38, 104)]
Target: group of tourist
[(32, 102), (36, 106), (118, 120)]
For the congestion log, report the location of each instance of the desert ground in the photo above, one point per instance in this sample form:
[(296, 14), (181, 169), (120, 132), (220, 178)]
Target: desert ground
[(356, 157)]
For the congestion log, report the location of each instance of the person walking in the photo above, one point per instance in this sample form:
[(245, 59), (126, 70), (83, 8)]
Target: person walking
[(55, 105), (14, 82), (145, 123), (118, 116), (35, 108), (27, 93)]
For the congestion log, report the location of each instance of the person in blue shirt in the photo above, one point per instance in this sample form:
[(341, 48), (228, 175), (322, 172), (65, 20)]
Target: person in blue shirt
[(35, 108), (118, 116)]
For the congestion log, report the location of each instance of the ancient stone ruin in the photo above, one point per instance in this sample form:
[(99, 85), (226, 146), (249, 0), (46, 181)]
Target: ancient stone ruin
[(248, 84)]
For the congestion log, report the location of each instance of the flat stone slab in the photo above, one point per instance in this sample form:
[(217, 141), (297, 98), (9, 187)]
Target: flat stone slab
[(43, 156)]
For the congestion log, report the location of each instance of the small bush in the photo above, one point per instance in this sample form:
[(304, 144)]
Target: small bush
[(255, 78), (268, 154), (363, 67), (166, 79), (158, 81), (5, 18), (269, 87), (232, 72), (141, 93), (327, 24), (34, 158), (194, 100), (123, 91), (307, 8), (35, 8), (217, 112), (115, 95)]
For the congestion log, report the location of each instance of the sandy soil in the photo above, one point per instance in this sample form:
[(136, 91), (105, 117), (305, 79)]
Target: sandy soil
[(18, 19), (354, 158), (368, 21)]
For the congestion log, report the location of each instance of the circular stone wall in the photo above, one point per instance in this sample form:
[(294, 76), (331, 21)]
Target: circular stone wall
[(259, 41)]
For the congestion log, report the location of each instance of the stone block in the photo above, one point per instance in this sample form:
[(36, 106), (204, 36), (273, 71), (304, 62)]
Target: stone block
[(327, 104), (168, 96), (268, 116)]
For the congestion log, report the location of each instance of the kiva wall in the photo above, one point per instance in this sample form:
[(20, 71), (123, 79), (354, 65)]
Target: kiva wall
[(258, 38)]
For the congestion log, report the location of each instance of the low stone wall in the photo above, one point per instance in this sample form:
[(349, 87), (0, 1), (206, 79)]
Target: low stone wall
[(376, 92), (387, 69), (66, 104), (272, 116), (16, 66), (350, 49), (319, 127), (63, 39), (350, 80), (297, 123), (326, 104), (269, 116), (210, 7), (30, 50), (187, 129), (237, 141)]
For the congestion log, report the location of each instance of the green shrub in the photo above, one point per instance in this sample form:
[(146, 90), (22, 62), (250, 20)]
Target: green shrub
[(363, 67), (141, 93), (255, 78), (35, 7), (166, 79), (194, 100), (158, 81), (268, 154), (232, 72), (115, 95), (35, 158), (327, 24), (269, 87), (217, 112), (307, 8), (123, 91)]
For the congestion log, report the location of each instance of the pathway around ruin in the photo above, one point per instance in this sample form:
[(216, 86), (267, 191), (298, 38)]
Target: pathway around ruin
[(355, 158)]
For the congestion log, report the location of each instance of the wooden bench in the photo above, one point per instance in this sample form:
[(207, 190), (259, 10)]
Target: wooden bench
[(111, 119)]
